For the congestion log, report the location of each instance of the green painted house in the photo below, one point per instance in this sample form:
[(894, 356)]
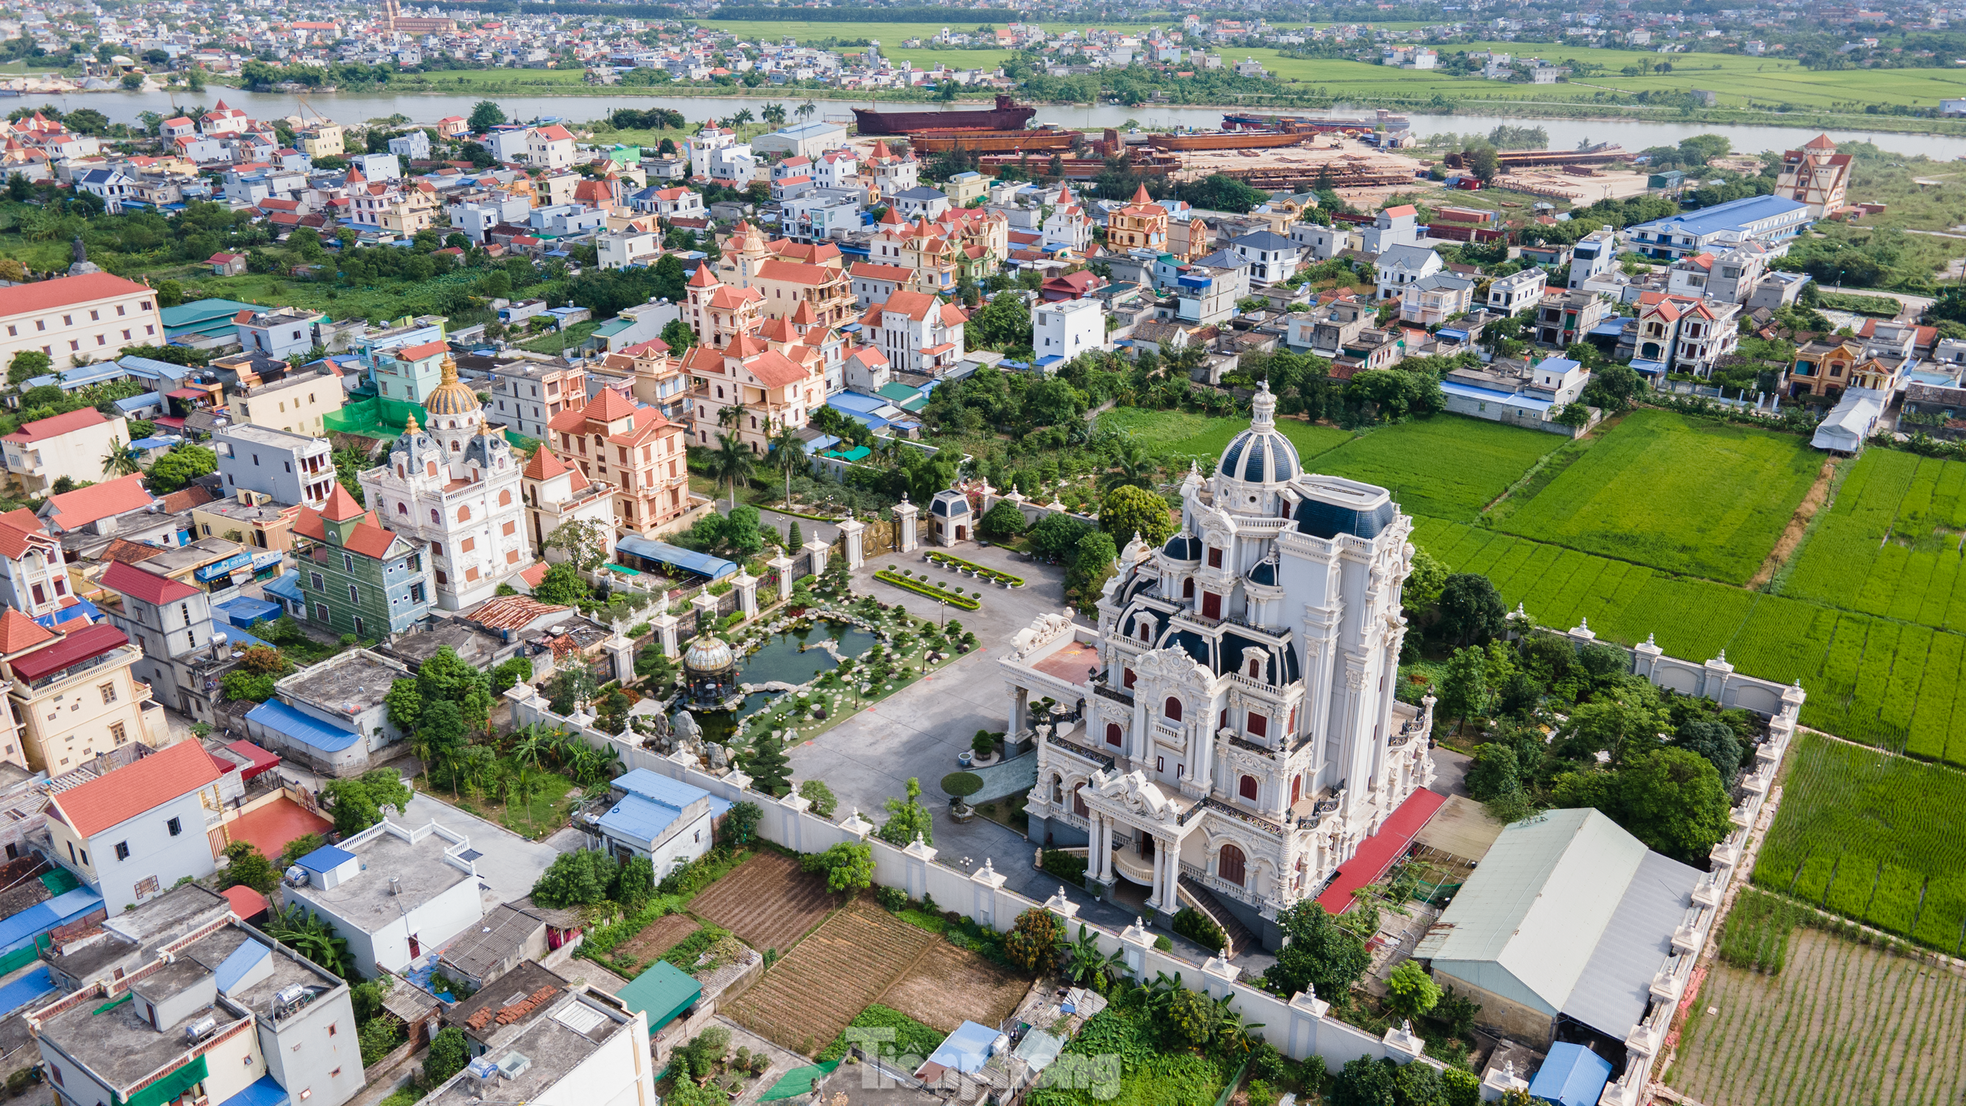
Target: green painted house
[(355, 577)]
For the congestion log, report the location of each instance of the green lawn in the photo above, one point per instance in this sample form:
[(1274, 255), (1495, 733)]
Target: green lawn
[(1184, 434), (559, 341), (1445, 467), (1871, 836), (1690, 496)]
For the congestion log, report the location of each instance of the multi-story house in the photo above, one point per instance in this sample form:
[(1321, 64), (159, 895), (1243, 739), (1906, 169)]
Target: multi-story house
[(718, 312), (1564, 318), (1270, 256), (70, 446), (623, 249), (527, 394), (837, 169), (1395, 226), (931, 259), (297, 402), (410, 372), (549, 147), (427, 875), (613, 440), (1593, 256), (1707, 332), (133, 833), (286, 467), (1207, 291), (1650, 339), (280, 333), (33, 579), (767, 387), (73, 695), (557, 494), (1063, 330), (1327, 330), (455, 486), (1434, 299), (917, 332), (1245, 737), (190, 1005), (1816, 176), (887, 173), (600, 1045), (784, 284), (1771, 220), (656, 377), (171, 624), (1516, 292), (1067, 227), (1189, 239), (1822, 368), (1398, 266), (355, 576), (76, 319), (1140, 225)]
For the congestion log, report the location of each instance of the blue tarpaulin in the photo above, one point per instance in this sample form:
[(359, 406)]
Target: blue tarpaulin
[(303, 729), (25, 990), (24, 927), (81, 608), (245, 610), (1572, 1076), (262, 1092), (675, 556)]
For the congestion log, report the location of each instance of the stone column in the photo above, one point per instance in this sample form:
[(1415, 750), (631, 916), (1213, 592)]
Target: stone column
[(783, 566), (793, 807), (747, 594), (1135, 940), (987, 882), (665, 626), (706, 610), (850, 534), (1218, 977), (622, 652), (818, 549), (1015, 716), (919, 853), (906, 518)]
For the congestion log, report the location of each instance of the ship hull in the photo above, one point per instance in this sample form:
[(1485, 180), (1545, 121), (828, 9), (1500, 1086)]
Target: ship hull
[(943, 141), (1004, 117), (1228, 140)]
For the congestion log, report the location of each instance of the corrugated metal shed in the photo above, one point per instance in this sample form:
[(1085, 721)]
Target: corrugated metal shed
[(1567, 914)]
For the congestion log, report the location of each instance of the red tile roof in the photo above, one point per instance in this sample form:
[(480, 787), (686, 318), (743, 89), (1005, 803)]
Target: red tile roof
[(55, 427), (418, 353), (121, 795), (341, 506), (71, 510), (87, 642), (15, 541), (147, 586), (46, 295), (19, 632)]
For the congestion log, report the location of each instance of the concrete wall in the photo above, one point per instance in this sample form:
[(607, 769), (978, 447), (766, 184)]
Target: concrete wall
[(305, 1058), (1299, 1028)]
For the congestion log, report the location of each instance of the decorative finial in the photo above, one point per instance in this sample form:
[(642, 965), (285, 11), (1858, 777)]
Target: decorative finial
[(409, 423), (449, 369)]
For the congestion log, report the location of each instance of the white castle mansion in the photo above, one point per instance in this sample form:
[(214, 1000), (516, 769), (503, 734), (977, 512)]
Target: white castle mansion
[(1240, 737)]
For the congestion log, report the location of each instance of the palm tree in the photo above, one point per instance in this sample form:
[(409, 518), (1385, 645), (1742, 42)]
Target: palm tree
[(806, 110), (788, 454), (775, 114), (118, 461), (523, 786), (476, 764), (535, 743), (732, 417), (1133, 463), (733, 462), (742, 117)]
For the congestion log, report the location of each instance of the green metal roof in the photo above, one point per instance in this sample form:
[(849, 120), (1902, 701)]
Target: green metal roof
[(898, 393), (662, 992), (612, 327)]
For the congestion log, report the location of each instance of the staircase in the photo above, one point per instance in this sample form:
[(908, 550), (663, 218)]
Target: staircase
[(1241, 940)]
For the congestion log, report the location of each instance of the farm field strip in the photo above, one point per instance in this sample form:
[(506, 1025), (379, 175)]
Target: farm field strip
[(1443, 467), (1892, 542), (1872, 836), (810, 995), (1683, 495), (1844, 1022), (767, 902)]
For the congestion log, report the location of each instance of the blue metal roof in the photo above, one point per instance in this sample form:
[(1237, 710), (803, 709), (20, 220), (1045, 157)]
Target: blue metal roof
[(967, 1049), (637, 819), (20, 929), (1572, 1076), (245, 610), (25, 990), (234, 967), (1490, 395), (302, 728), (81, 608), (1727, 216), (325, 859), (689, 560), (652, 803), (264, 1091), (287, 586)]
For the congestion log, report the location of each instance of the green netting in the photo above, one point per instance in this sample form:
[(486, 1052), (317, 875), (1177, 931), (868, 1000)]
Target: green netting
[(170, 1087), (23, 956), (377, 417), (798, 1081), (114, 1003), (60, 881)]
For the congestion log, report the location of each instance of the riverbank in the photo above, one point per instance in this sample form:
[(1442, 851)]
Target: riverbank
[(1477, 106)]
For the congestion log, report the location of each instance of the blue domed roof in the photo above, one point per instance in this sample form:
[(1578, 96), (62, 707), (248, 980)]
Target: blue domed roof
[(1183, 547), (1264, 573), (1328, 520), (1260, 456)]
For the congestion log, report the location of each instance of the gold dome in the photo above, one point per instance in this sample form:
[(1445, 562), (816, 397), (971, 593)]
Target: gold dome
[(451, 397)]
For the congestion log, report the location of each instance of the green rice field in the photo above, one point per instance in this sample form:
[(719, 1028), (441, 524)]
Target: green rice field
[(1182, 434), (1871, 836), (1891, 542), (1444, 467), (1703, 498)]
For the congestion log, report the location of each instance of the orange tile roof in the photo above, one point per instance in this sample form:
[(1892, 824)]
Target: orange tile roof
[(46, 295), (111, 800), (341, 506), (543, 465), (72, 510), (56, 426), (19, 632)]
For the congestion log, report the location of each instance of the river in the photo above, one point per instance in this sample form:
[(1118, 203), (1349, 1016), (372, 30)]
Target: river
[(123, 107)]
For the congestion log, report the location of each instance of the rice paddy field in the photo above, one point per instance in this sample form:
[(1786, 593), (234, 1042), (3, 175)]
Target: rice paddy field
[(1891, 543), (1182, 434), (1690, 496), (1444, 467), (1842, 1022), (1871, 836)]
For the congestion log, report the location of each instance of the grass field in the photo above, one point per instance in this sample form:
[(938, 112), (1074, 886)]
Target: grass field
[(1183, 434), (1891, 542), (1873, 837), (1691, 496), (1842, 1023), (1443, 467)]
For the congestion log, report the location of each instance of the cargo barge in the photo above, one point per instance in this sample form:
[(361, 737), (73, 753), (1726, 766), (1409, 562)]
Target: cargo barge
[(943, 141), (1006, 116), (1227, 140)]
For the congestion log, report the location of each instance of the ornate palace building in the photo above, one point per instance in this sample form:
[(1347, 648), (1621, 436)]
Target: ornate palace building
[(1228, 735)]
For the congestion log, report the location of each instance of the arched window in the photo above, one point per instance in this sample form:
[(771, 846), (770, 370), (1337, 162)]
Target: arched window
[(454, 447), (402, 508), (1229, 864), (1146, 630), (1058, 790), (1188, 588), (1126, 677), (430, 468), (505, 498), (1247, 788), (464, 514), (435, 518), (1078, 802), (1112, 733), (1172, 709)]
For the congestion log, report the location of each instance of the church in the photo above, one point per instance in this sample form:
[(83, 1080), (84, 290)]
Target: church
[(455, 485), (1228, 734)]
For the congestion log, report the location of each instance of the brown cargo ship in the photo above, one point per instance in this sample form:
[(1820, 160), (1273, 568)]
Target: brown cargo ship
[(1225, 140), (943, 141), (1006, 116)]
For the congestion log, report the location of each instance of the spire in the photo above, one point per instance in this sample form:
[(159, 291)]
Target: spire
[(449, 369), (1140, 195), (1263, 408), (409, 423), (702, 277)]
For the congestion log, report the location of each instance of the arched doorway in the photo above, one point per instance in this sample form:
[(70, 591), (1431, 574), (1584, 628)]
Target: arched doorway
[(1229, 864)]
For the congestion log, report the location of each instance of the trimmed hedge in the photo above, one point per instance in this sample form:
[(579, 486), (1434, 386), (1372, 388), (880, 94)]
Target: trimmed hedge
[(954, 598), (983, 572)]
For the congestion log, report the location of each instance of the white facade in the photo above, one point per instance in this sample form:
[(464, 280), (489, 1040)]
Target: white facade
[(1244, 692), (1067, 329), (549, 147), (78, 319), (401, 893), (623, 248), (1517, 292)]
